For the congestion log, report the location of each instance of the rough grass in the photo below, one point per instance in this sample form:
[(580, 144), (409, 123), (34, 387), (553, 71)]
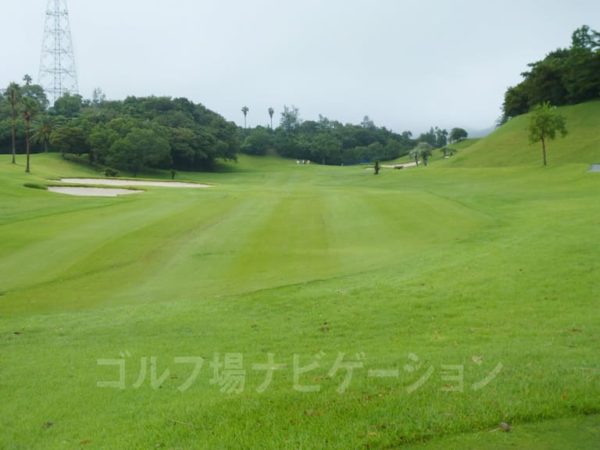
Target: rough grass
[(457, 266)]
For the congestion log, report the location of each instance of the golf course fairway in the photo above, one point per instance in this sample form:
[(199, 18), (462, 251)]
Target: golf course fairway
[(303, 306)]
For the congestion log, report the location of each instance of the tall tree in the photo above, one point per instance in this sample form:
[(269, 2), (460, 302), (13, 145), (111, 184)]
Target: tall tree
[(441, 137), (68, 105), (458, 134), (245, 111), (271, 112), (584, 37), (258, 142), (30, 109), (544, 124), (37, 94), (430, 137), (70, 137), (13, 95), (367, 123), (42, 130), (290, 119), (139, 149), (98, 97)]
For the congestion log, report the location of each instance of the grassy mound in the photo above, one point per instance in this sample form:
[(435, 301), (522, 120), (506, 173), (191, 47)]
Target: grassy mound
[(509, 145)]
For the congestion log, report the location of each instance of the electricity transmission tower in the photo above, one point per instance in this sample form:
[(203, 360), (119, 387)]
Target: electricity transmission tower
[(58, 74)]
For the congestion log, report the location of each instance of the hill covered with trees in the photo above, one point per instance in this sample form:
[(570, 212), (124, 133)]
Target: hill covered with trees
[(166, 133), (133, 134), (566, 76)]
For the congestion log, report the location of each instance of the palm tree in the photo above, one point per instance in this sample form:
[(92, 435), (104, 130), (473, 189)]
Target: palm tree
[(271, 112), (42, 130), (13, 95), (245, 110), (29, 111)]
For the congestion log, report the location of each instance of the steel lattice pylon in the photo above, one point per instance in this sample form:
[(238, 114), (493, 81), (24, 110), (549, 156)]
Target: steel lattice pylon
[(58, 74)]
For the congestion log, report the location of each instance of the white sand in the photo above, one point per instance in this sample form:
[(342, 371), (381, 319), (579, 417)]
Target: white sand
[(403, 166), (116, 182), (92, 191)]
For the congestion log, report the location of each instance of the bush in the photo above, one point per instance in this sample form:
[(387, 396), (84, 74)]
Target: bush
[(111, 172)]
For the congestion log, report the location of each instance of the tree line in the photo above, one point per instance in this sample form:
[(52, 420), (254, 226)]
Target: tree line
[(565, 76), (174, 133), (331, 142), (133, 134)]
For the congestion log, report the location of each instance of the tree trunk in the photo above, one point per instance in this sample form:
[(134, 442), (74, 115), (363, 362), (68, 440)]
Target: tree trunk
[(544, 151), (14, 137), (27, 144)]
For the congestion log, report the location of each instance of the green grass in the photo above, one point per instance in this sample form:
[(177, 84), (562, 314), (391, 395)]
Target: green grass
[(437, 154), (465, 143), (456, 265), (576, 432), (509, 145)]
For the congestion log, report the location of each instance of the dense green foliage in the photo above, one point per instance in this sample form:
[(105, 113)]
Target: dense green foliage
[(564, 76), (435, 137), (327, 141), (183, 135), (457, 135), (196, 137)]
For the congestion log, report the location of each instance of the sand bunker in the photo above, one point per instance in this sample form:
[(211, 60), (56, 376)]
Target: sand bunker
[(595, 168), (128, 183), (400, 166), (92, 191)]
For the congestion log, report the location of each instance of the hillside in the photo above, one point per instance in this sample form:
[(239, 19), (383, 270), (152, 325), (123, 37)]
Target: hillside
[(509, 145)]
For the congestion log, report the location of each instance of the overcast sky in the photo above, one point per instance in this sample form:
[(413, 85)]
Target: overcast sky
[(408, 64)]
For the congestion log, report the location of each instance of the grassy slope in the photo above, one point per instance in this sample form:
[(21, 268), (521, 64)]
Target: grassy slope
[(509, 145), (437, 153), (465, 143), (451, 264)]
